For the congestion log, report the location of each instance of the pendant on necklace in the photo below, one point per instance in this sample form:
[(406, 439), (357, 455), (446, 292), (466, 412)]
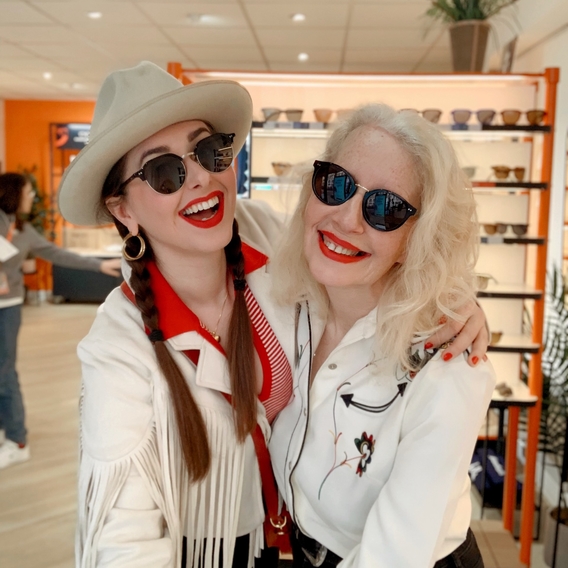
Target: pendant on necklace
[(216, 337)]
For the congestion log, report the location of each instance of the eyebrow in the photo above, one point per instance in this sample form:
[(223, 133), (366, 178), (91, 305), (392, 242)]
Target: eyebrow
[(164, 149)]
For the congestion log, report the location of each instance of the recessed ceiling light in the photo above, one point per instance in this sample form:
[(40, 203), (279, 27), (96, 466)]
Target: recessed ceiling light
[(47, 75), (303, 57), (298, 17), (95, 15)]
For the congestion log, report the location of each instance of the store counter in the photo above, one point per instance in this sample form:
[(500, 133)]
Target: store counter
[(76, 285)]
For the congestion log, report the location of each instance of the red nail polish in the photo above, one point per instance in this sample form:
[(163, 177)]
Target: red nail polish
[(447, 356), (428, 345), (474, 360), (442, 320)]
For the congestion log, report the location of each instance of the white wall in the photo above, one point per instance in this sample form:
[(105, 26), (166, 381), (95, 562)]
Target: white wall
[(543, 42)]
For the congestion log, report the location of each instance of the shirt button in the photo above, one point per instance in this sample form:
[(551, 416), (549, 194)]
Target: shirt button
[(332, 366)]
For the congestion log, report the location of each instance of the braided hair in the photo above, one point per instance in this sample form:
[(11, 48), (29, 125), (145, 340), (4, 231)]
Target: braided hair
[(240, 347)]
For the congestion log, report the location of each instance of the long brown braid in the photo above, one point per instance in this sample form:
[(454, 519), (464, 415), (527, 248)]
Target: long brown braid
[(240, 346)]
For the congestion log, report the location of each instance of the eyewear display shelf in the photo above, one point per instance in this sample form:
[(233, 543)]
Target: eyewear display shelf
[(516, 262)]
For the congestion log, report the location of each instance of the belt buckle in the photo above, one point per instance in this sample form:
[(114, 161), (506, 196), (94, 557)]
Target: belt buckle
[(279, 523)]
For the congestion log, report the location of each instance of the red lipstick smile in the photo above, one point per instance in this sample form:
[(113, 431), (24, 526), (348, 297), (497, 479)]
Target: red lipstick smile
[(336, 256), (205, 212)]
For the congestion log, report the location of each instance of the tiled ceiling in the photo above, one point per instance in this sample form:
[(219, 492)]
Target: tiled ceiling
[(58, 37)]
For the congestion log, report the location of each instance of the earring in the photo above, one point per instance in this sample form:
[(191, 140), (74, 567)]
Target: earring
[(125, 244)]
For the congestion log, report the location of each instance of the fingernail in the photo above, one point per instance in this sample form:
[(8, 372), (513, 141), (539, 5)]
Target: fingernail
[(428, 345), (442, 320), (447, 356), (485, 357), (475, 360)]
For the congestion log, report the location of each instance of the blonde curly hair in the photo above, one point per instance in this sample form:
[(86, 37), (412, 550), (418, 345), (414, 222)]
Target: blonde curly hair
[(437, 275)]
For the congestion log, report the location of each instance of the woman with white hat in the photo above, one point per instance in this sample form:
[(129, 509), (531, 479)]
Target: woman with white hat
[(171, 394), (180, 383)]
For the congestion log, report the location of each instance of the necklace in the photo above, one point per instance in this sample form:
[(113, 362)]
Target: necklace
[(214, 333)]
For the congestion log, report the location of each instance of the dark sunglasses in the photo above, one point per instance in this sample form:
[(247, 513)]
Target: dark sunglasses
[(166, 173), (382, 209)]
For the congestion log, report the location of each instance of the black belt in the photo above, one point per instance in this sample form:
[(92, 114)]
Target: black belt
[(315, 552)]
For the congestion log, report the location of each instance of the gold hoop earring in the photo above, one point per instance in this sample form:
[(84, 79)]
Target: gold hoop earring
[(125, 243)]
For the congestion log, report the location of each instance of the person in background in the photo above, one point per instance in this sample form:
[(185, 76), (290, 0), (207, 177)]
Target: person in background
[(187, 363), (372, 454), (16, 199)]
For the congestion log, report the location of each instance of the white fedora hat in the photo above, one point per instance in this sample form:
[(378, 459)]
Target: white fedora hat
[(132, 105)]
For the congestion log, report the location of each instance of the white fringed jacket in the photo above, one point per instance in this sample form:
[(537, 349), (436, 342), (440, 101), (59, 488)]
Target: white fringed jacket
[(135, 501)]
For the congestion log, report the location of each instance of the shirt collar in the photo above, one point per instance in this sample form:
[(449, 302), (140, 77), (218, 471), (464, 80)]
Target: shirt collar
[(174, 317)]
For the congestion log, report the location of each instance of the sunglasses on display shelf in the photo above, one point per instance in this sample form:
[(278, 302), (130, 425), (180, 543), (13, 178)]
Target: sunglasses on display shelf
[(501, 228), (273, 114), (483, 281), (430, 114), (166, 174), (462, 116), (502, 172), (510, 117), (382, 209)]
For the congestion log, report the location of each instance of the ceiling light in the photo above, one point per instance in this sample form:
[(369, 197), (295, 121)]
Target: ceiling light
[(303, 57), (298, 17), (95, 15), (47, 75)]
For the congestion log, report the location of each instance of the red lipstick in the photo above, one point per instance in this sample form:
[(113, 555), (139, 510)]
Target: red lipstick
[(215, 219), (337, 257)]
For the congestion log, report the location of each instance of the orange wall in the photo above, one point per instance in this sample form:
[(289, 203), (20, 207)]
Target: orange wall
[(27, 132), (27, 146)]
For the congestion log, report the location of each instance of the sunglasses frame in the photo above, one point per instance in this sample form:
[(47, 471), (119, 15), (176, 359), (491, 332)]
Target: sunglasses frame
[(520, 229), (410, 210), (193, 155)]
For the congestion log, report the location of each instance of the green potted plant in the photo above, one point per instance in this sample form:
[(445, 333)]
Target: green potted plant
[(469, 28), (554, 413)]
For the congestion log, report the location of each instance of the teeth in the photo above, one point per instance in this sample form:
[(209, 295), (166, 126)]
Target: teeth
[(337, 248), (201, 206)]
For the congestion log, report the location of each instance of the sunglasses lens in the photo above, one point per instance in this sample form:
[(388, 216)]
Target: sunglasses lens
[(165, 174), (520, 230), (489, 228), (519, 174), (511, 117), (215, 152), (485, 116), (501, 172), (385, 211), (501, 228), (535, 116), (331, 184), (461, 116), (432, 114)]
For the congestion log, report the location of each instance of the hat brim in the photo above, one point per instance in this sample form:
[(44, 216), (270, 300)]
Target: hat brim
[(225, 105)]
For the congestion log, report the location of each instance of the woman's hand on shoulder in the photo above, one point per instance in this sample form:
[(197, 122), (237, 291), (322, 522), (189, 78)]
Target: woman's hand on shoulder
[(111, 267), (474, 332)]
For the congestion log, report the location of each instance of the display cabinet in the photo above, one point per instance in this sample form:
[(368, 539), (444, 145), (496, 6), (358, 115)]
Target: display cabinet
[(281, 152)]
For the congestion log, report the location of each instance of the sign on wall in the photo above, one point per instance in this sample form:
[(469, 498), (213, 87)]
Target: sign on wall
[(72, 136)]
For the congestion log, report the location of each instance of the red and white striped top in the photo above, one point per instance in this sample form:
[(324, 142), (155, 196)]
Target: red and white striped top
[(276, 370)]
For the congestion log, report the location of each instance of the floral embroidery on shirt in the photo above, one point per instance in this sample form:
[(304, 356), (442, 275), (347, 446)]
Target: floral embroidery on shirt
[(366, 445)]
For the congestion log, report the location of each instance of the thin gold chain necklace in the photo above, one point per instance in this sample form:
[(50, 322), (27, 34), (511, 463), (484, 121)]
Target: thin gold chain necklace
[(214, 333)]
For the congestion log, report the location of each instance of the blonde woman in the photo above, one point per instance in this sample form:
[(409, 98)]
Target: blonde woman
[(371, 455)]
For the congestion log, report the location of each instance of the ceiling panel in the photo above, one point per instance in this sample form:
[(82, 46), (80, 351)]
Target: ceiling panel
[(218, 55), (215, 37), (366, 38), (278, 15), (290, 54), (71, 13), (21, 13), (36, 34), (214, 15), (383, 55), (300, 39), (386, 15), (146, 35), (11, 51)]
